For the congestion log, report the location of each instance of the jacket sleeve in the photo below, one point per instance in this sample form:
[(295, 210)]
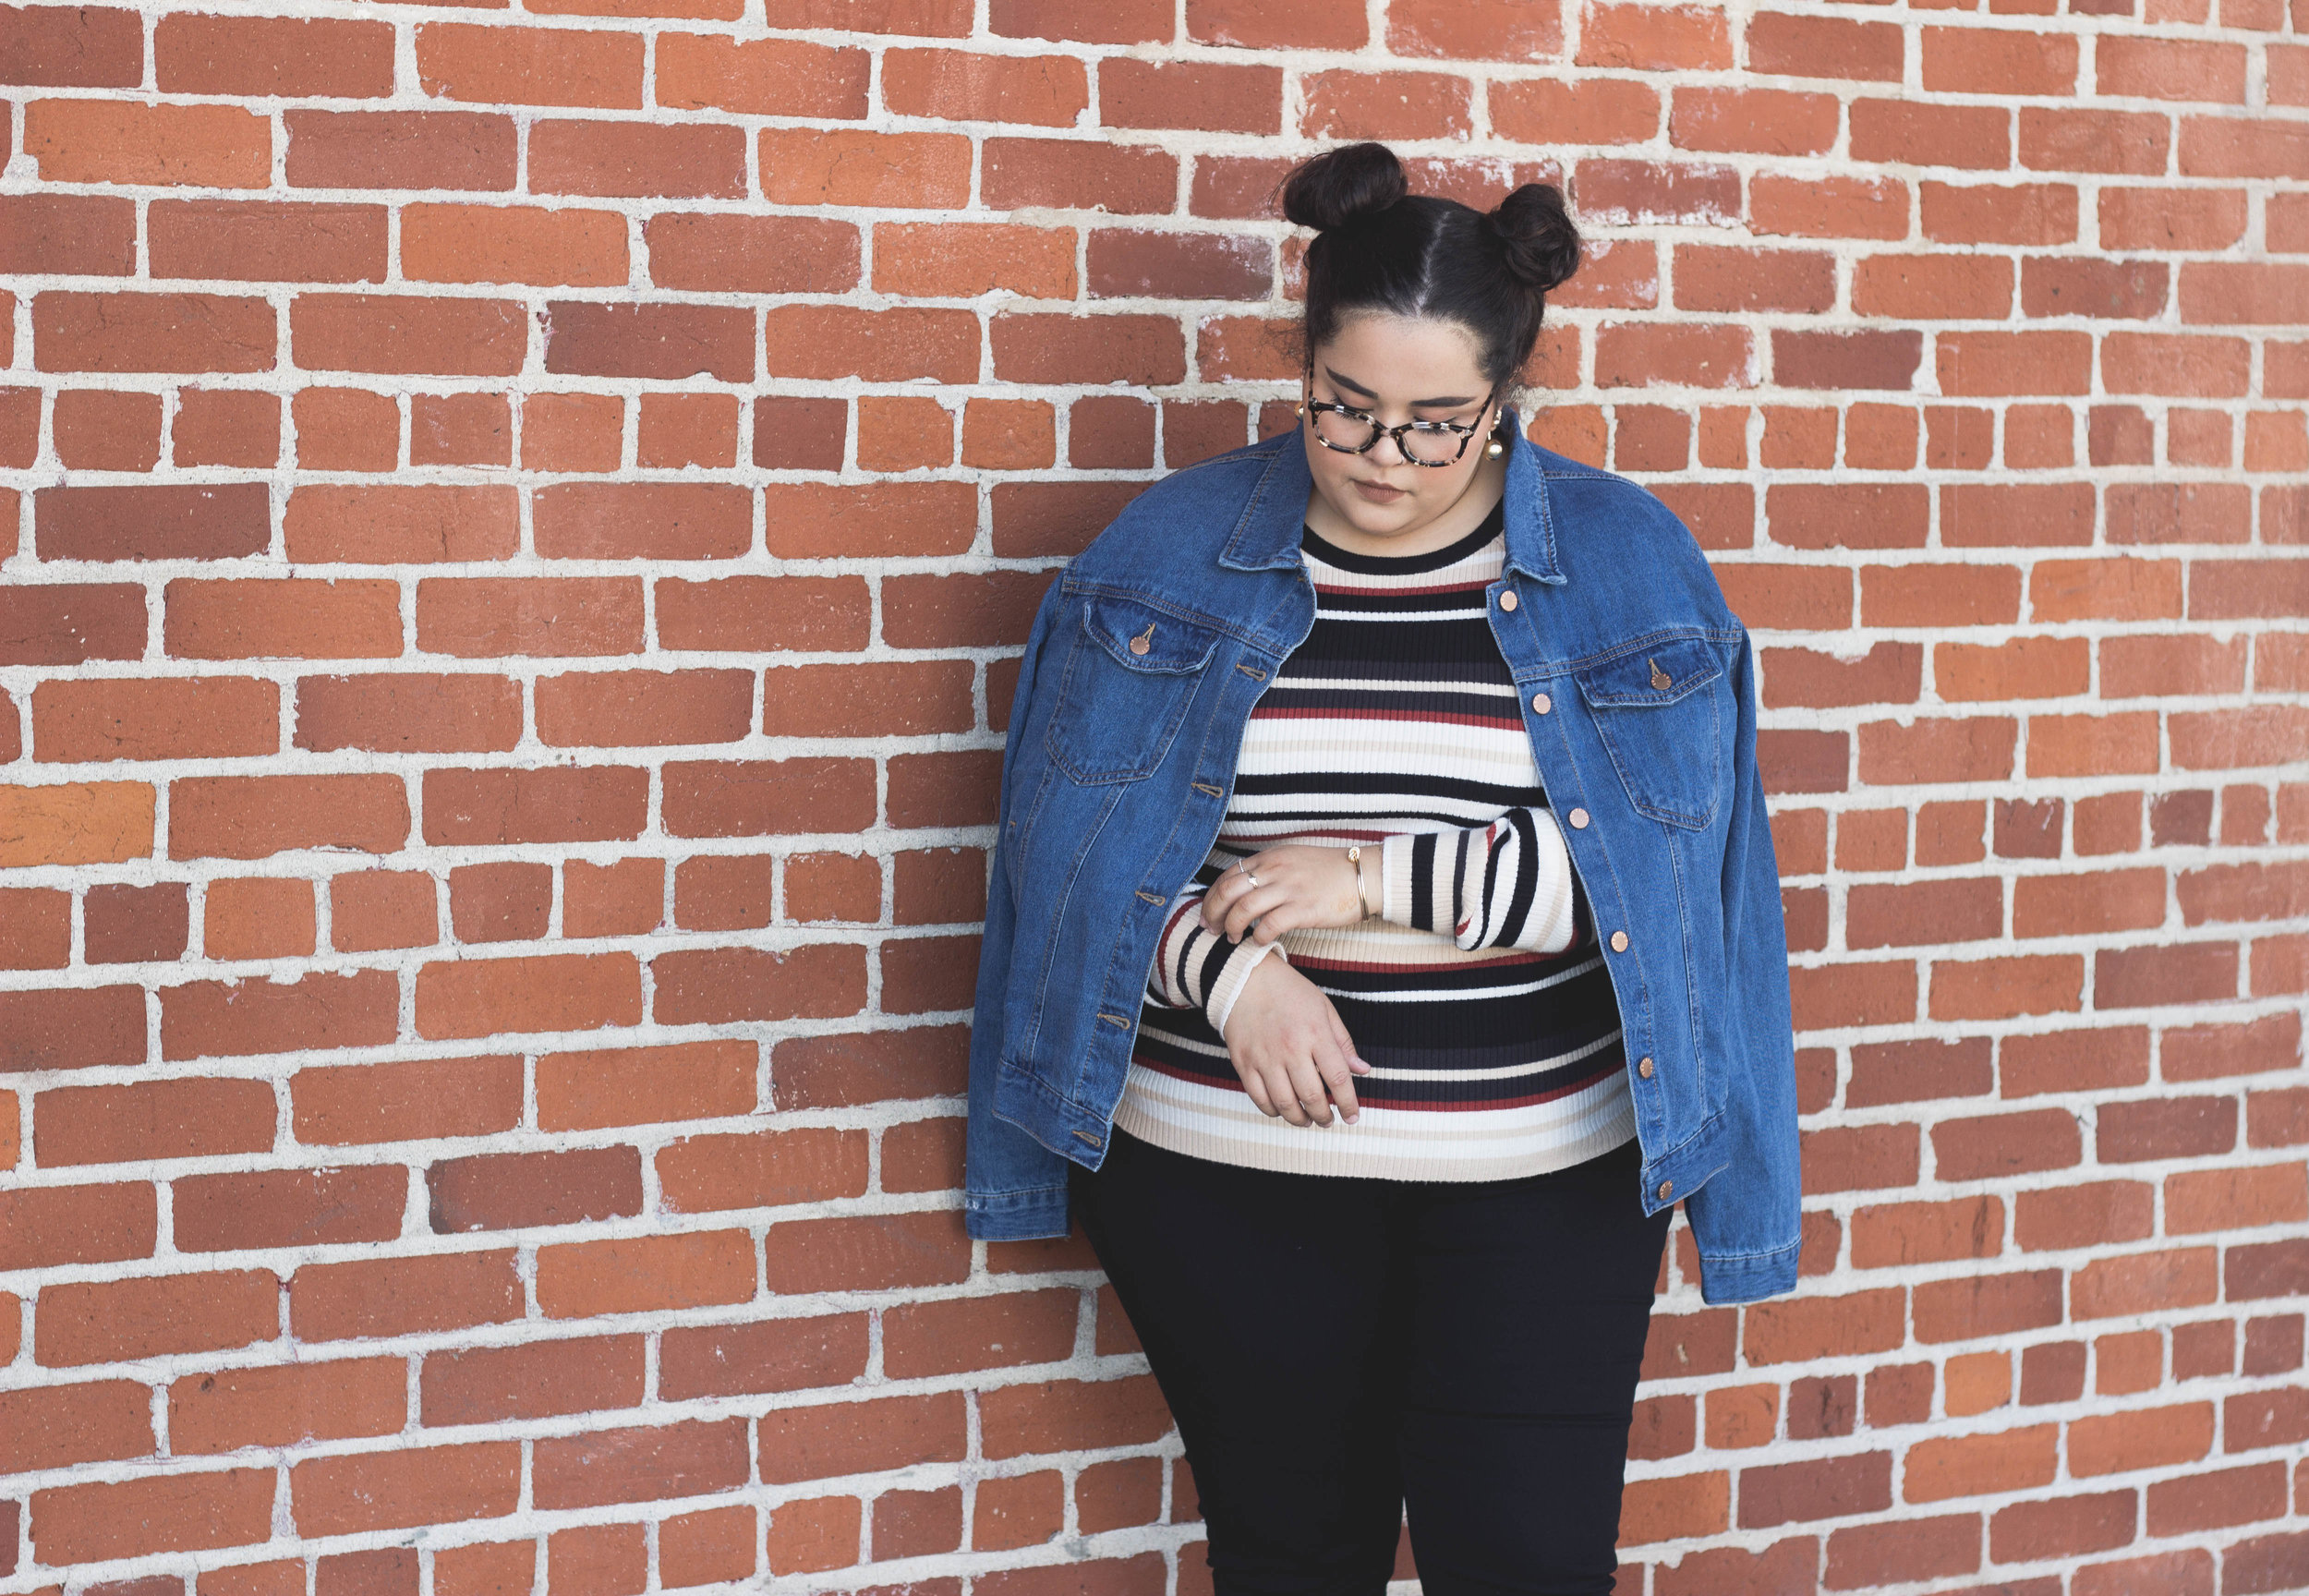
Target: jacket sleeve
[(1508, 884), (1014, 1187), (1746, 1218)]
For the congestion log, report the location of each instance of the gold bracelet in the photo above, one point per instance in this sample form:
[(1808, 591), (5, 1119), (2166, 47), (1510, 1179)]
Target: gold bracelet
[(1362, 897)]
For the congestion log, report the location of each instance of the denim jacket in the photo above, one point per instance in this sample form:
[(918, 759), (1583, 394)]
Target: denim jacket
[(1637, 682)]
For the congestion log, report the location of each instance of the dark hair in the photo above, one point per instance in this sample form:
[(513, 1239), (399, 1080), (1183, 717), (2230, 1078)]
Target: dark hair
[(1380, 246)]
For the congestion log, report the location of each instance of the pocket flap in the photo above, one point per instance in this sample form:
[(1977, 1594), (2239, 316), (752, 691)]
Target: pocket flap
[(1658, 673), (1143, 638)]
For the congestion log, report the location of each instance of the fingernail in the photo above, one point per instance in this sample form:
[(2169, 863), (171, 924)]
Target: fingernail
[(1355, 1119)]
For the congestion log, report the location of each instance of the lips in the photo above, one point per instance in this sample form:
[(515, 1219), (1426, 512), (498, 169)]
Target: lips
[(1379, 492)]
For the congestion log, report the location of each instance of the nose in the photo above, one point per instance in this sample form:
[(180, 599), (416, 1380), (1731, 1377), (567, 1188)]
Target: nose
[(1387, 443)]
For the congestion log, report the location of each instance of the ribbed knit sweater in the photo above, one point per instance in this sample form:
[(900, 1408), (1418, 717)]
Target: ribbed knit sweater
[(1480, 994)]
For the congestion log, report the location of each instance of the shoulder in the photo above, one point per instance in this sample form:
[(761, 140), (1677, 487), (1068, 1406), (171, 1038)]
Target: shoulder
[(1614, 529), (1185, 518), (1590, 499)]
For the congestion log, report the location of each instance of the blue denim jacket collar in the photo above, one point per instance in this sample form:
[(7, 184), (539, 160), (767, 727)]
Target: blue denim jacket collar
[(1266, 538)]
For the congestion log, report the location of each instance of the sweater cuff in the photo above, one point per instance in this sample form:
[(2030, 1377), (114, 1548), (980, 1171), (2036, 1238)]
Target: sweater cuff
[(1229, 986), (1552, 879), (1394, 878)]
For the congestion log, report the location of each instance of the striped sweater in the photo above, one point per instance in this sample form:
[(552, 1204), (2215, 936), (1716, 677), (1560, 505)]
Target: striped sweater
[(1479, 994)]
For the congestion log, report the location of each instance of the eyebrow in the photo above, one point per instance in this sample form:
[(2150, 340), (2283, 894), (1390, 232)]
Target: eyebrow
[(1350, 383)]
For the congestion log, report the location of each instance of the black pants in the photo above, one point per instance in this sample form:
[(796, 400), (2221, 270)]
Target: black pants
[(1336, 1347)]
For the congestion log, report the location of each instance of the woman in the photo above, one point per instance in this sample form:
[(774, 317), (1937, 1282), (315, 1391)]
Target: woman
[(1383, 935)]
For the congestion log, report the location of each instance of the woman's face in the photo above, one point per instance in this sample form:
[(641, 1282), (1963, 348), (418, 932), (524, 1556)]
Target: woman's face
[(1395, 368)]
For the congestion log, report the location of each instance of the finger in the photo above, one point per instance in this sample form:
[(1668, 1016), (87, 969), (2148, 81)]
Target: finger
[(1215, 897), (1285, 1091), (1255, 1087), (1307, 1087), (1355, 1061), (1273, 923), (1255, 906), (1331, 1064)]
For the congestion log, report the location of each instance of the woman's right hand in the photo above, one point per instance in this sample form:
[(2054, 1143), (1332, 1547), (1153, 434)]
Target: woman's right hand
[(1290, 1047)]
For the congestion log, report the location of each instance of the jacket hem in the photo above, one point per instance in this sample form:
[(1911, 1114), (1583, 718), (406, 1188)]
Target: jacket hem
[(1748, 1277), (1032, 1214)]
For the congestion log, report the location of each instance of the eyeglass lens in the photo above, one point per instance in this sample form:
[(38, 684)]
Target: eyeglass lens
[(1343, 432)]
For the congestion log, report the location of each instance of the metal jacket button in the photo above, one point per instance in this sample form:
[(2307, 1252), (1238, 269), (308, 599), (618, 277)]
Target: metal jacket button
[(1619, 941), (1541, 703), (1643, 1067), (1578, 818), (1667, 1189), (1507, 599)]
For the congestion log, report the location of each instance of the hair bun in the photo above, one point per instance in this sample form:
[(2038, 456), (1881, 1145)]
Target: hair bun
[(1536, 236), (1338, 186)]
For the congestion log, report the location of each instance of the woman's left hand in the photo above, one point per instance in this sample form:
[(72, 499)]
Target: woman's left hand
[(1297, 886)]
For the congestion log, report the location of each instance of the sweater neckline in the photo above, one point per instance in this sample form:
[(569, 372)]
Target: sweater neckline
[(1490, 526)]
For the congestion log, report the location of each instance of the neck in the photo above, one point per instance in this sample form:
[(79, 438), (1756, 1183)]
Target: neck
[(1446, 526)]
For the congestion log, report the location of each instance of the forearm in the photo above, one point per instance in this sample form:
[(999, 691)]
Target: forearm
[(1197, 968), (1506, 885)]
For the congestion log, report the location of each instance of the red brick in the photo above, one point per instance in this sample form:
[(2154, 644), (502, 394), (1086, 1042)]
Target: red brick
[(635, 159), (783, 1354), (289, 1207), (508, 1191), (498, 806), (236, 1019), (186, 1511), (70, 622), (111, 1321), (1656, 38), (121, 140), (716, 986), (1819, 1488), (285, 1404), (72, 234), (642, 1464), (492, 1384), (758, 1169), (760, 78), (58, 1426), (1062, 1415), (73, 47), (827, 1439), (1074, 175), (643, 708), (645, 1085), (1940, 1468), (260, 56), (429, 150), (638, 1273), (530, 66), (1347, 105), (979, 1332), (549, 992), (392, 1489), (185, 1118), (158, 522), (811, 166), (408, 334), (2145, 1438), (1207, 95), (715, 1547), (2143, 1283), (379, 1297), (513, 244)]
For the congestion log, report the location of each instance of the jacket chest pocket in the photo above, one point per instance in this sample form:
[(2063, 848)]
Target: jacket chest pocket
[(1659, 713), (1130, 673)]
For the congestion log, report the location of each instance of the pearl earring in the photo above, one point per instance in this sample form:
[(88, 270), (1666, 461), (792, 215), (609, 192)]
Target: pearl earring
[(1494, 449)]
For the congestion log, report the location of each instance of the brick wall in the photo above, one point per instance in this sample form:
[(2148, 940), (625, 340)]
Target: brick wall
[(517, 531)]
